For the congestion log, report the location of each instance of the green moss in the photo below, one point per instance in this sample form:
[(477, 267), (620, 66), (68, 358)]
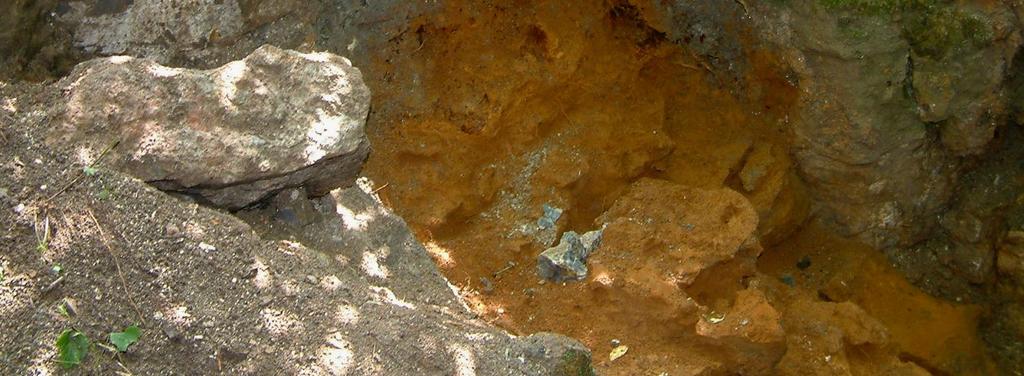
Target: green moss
[(937, 31), (867, 7), (934, 28), (576, 363)]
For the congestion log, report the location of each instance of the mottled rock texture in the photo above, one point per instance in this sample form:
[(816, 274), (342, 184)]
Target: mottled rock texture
[(231, 135), (701, 231), (892, 96), (352, 228)]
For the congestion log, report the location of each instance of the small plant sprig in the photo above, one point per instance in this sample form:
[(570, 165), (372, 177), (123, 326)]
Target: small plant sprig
[(43, 234), (72, 347)]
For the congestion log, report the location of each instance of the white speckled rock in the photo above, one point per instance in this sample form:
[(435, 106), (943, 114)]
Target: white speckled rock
[(232, 135)]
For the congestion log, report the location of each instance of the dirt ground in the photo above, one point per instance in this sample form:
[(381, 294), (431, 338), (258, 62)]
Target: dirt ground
[(99, 251)]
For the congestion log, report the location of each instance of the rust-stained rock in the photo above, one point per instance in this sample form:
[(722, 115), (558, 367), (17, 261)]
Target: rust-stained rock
[(750, 332), (232, 135), (679, 231), (821, 335)]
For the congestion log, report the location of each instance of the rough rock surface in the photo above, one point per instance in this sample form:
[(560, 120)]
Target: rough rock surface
[(353, 228), (232, 135), (885, 110), (209, 294), (751, 329), (834, 327), (208, 34), (703, 229), (567, 261), (32, 46)]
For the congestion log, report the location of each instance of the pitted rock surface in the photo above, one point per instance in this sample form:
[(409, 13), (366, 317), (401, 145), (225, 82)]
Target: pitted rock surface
[(232, 135)]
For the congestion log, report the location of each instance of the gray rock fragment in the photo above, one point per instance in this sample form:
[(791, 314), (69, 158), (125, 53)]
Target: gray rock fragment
[(567, 261), (551, 215)]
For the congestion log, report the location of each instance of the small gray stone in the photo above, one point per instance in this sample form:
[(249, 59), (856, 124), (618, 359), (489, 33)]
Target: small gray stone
[(488, 286), (551, 215), (172, 231), (567, 261)]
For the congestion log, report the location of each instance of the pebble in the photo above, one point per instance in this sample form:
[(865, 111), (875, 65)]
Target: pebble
[(170, 331), (616, 342), (266, 300), (172, 230), (311, 279), (488, 285), (207, 247)]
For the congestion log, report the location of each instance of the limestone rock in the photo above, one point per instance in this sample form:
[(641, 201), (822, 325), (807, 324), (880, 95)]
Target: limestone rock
[(232, 135)]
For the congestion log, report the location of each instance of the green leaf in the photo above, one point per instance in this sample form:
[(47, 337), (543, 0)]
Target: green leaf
[(126, 338), (72, 346), (89, 171)]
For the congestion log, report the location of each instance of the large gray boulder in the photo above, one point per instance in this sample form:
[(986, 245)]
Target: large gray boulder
[(231, 135)]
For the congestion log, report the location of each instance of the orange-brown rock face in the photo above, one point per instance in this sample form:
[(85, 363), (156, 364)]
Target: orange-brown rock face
[(658, 124), (678, 232)]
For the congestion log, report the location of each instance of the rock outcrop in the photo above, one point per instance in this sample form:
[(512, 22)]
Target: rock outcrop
[(208, 34), (701, 230), (888, 106), (231, 135), (352, 229)]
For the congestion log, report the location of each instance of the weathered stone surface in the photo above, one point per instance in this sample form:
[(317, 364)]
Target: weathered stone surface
[(567, 261), (832, 328), (559, 354), (232, 135), (352, 228), (1010, 259), (700, 230), (750, 331), (32, 47), (872, 84), (208, 34)]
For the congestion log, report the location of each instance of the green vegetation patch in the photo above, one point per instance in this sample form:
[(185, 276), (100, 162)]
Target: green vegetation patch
[(72, 347), (934, 28)]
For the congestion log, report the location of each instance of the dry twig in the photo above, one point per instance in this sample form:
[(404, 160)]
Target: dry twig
[(746, 10), (380, 187), (117, 264)]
